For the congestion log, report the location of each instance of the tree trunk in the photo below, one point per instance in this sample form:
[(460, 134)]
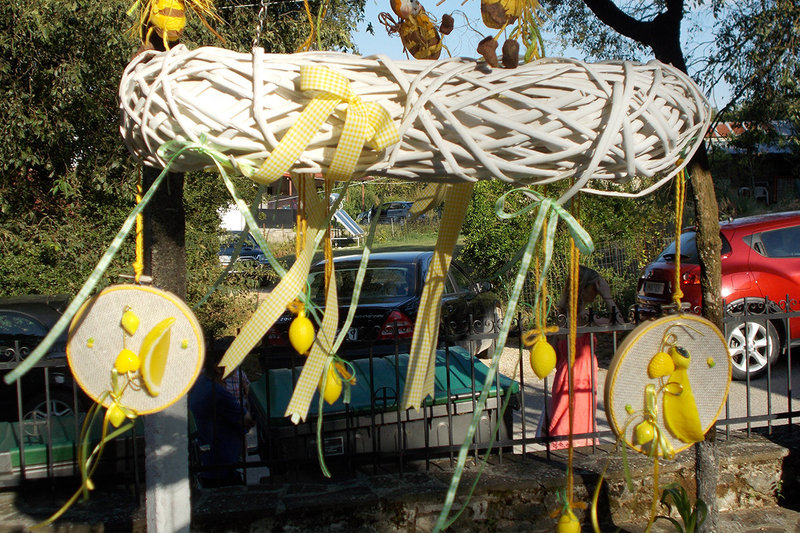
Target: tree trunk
[(709, 248)]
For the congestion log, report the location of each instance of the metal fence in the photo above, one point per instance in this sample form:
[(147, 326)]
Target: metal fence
[(41, 420), (374, 433)]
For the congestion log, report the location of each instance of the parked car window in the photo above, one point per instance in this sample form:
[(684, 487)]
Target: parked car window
[(784, 242), (17, 324), (379, 283), (461, 280), (688, 249)]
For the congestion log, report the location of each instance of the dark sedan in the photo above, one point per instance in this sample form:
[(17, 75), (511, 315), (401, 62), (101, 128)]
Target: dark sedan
[(24, 321), (387, 308), (250, 251)]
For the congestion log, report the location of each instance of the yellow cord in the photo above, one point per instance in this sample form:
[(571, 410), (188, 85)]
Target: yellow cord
[(574, 256), (306, 46), (138, 264), (328, 249), (680, 200)]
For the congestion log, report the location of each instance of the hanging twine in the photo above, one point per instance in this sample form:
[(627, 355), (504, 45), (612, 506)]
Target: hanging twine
[(138, 264), (680, 200)]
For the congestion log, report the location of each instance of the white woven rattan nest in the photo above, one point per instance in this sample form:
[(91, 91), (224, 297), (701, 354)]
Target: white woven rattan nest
[(458, 119)]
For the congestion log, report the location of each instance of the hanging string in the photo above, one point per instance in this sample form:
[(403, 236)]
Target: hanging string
[(306, 46), (574, 265), (138, 264), (327, 241), (680, 200), (262, 12), (301, 221)]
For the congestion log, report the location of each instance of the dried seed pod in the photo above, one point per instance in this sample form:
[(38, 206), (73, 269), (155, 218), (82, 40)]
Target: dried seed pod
[(488, 49), (447, 24), (510, 54)]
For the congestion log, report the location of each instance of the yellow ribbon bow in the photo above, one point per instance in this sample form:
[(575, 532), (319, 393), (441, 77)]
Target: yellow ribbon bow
[(365, 123)]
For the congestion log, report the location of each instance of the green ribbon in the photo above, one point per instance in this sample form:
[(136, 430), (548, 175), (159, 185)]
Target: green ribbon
[(546, 209)]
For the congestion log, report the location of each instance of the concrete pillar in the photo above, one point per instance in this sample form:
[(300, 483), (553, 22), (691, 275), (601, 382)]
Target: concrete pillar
[(168, 495)]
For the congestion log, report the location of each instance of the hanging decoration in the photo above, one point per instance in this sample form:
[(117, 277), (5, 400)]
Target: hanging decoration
[(135, 348), (650, 403), (649, 394), (417, 31), (165, 20), (546, 121), (612, 128)]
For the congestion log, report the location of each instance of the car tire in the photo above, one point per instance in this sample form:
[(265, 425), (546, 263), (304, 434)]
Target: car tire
[(754, 346), (61, 404)]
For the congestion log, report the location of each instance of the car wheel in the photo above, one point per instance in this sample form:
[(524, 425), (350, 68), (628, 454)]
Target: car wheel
[(753, 347), (61, 404), (490, 345)]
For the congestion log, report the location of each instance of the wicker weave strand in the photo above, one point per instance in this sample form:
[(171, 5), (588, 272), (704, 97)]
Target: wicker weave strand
[(552, 119)]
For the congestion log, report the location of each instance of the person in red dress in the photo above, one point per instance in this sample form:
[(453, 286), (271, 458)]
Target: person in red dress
[(590, 285)]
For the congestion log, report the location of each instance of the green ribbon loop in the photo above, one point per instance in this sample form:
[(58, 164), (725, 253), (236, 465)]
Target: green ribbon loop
[(549, 210)]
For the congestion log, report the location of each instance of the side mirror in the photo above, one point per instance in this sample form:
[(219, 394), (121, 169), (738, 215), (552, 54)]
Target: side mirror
[(485, 286)]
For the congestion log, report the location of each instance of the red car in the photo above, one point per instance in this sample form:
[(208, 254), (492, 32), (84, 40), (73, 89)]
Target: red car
[(760, 263)]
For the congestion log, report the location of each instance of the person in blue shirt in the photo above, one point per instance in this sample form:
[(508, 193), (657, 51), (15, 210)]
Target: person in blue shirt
[(221, 424)]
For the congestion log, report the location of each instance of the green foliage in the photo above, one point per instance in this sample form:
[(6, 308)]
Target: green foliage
[(489, 242), (692, 516), (67, 181), (627, 234)]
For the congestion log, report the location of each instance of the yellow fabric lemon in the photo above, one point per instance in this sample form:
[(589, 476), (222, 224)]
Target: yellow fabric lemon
[(155, 348), (645, 432), (330, 385), (126, 361), (660, 365), (568, 522), (301, 333), (680, 409), (543, 357), (116, 415), (129, 322)]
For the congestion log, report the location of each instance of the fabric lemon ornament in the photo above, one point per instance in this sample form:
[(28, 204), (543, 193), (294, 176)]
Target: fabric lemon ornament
[(543, 357)]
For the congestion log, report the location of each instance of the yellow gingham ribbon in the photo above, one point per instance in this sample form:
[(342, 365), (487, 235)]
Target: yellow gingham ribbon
[(292, 284), (320, 350), (365, 122), (421, 360)]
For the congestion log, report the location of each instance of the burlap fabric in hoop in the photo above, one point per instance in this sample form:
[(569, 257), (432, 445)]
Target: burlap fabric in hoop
[(458, 119)]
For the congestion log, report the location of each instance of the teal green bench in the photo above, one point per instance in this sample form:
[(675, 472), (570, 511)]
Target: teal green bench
[(381, 426)]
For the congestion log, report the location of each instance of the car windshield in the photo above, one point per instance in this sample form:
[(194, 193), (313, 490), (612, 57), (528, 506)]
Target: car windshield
[(380, 284), (688, 250)]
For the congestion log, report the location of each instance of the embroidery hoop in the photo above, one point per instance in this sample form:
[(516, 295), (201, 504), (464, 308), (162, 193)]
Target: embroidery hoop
[(627, 373), (96, 338)]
